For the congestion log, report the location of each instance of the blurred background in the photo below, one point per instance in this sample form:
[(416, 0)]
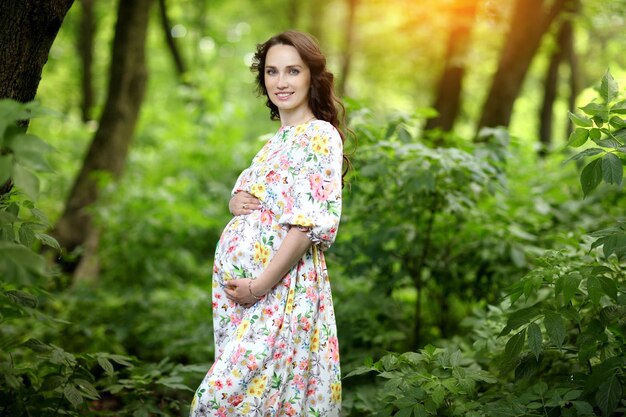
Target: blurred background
[(475, 273)]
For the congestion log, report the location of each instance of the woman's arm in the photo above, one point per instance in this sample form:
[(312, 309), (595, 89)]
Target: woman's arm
[(291, 250)]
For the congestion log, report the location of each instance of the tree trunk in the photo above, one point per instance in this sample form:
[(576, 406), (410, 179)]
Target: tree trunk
[(346, 59), (109, 147), (529, 23), (551, 83), (316, 24), (448, 100), (572, 61), (27, 30), (85, 47), (179, 64)]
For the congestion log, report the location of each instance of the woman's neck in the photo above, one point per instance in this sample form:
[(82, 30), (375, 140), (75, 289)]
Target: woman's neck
[(297, 118)]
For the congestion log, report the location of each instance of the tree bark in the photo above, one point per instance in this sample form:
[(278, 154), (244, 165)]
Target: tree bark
[(179, 63), (563, 38), (27, 30), (529, 23), (109, 147), (346, 59), (448, 100), (85, 47)]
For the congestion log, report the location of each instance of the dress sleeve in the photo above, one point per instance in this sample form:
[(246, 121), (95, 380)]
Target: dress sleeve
[(314, 202)]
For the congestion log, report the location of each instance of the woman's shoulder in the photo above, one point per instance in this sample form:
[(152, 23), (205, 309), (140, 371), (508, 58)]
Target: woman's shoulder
[(324, 128)]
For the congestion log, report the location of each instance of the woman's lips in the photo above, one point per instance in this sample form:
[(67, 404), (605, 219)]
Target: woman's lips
[(283, 96)]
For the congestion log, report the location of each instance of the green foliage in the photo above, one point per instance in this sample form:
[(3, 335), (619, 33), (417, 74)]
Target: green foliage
[(573, 314), (604, 125), (38, 378), (432, 381), (554, 345)]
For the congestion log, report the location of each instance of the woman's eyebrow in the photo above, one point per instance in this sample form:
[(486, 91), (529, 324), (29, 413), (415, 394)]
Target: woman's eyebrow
[(288, 66)]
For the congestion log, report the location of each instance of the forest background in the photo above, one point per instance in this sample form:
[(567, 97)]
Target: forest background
[(479, 266)]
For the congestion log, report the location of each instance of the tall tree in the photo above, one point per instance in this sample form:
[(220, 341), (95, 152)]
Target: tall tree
[(563, 48), (85, 48), (109, 147), (179, 63), (27, 30), (317, 10), (348, 47), (530, 21), (448, 100)]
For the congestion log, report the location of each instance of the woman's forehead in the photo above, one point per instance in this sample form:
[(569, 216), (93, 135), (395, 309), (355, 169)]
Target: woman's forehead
[(283, 55)]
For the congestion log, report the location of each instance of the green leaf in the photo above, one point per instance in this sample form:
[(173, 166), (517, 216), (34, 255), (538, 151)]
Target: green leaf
[(609, 287), (595, 133), (438, 395), (73, 395), (583, 408), (608, 143), (48, 240), (6, 168), (617, 122), (404, 412), (519, 318), (540, 388), (572, 395), (570, 286), (608, 395), (612, 171), (581, 121), (515, 345), (26, 181), (108, 367), (593, 108), (555, 327), (419, 411), (26, 234), (578, 137), (22, 298), (585, 153), (390, 362), (619, 107), (29, 150), (534, 339), (608, 87), (591, 176), (37, 345), (613, 244), (86, 386), (595, 289), (23, 257), (52, 382)]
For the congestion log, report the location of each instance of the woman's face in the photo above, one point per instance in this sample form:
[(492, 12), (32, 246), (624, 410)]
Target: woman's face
[(287, 79)]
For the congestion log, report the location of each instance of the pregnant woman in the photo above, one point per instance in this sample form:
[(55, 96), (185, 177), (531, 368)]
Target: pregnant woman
[(276, 350)]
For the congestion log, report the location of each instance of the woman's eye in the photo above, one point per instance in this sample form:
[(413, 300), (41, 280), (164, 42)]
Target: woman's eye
[(294, 71), (270, 72)]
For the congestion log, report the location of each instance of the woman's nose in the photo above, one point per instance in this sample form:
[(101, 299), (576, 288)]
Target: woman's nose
[(282, 82)]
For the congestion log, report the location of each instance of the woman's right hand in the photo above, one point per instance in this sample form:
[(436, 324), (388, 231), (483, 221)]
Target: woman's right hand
[(243, 203)]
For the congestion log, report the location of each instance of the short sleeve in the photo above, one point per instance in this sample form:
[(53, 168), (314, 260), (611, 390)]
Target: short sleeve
[(314, 202)]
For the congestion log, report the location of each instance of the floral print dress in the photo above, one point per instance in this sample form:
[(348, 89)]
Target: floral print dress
[(279, 357)]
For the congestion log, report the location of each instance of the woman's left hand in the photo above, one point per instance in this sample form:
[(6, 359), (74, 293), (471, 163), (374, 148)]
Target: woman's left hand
[(238, 290)]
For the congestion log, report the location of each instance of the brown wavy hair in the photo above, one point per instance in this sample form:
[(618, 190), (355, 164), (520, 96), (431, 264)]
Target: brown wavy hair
[(322, 99)]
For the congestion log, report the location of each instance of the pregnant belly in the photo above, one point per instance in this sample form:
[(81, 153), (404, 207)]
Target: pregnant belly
[(246, 246)]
